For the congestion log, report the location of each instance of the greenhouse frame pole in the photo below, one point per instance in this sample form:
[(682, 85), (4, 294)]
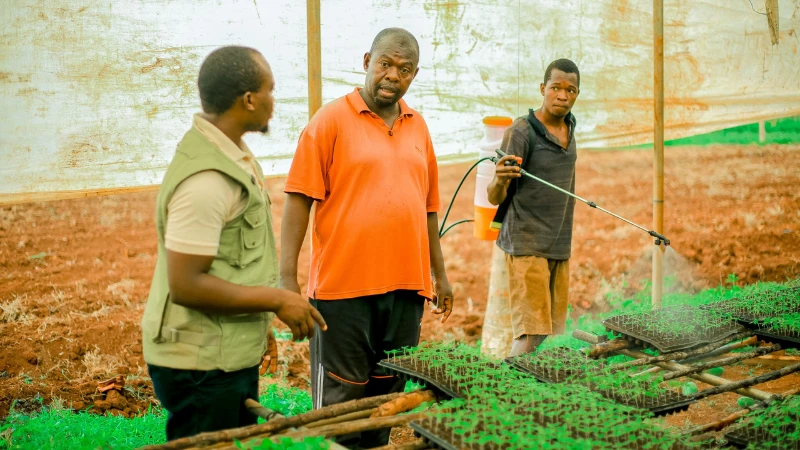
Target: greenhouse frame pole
[(658, 149)]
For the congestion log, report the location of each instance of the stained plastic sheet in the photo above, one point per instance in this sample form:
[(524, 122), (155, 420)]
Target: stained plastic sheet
[(95, 94)]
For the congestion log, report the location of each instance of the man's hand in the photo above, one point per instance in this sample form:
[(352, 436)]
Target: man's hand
[(443, 299), (503, 173), (299, 316)]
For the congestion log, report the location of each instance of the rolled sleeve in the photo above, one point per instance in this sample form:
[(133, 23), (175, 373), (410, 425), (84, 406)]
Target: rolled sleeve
[(308, 174), (197, 212)]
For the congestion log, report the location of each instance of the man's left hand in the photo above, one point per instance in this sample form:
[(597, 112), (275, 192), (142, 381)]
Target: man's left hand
[(443, 299)]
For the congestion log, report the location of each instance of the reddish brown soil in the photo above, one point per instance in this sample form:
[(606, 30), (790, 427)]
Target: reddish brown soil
[(76, 273)]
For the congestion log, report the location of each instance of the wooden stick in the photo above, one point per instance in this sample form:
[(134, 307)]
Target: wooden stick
[(720, 351), (275, 425), (724, 422), (682, 354), (722, 362), (704, 377), (603, 348), (419, 444), (403, 404), (747, 382), (343, 418), (339, 429), (260, 410)]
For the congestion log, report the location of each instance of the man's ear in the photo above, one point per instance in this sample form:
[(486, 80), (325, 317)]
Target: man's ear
[(541, 88), (366, 61), (416, 71), (247, 101)]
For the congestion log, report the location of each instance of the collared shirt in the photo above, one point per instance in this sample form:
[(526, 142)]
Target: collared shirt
[(539, 219), (374, 186), (204, 202)]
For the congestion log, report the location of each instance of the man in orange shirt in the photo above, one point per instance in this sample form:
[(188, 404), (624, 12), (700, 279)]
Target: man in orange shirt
[(367, 160)]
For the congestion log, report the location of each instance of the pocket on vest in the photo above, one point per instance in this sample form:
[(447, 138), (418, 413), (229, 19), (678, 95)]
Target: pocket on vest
[(253, 236), (244, 340)]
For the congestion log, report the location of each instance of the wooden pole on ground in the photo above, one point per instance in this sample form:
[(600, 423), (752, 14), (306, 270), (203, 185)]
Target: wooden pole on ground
[(658, 148), (704, 377), (314, 40), (735, 386), (276, 425), (722, 362)]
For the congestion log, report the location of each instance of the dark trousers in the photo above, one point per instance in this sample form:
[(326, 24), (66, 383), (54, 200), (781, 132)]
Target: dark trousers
[(199, 401), (344, 359)]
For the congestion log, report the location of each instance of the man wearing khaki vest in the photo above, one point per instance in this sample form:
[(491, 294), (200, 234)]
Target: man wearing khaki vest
[(215, 284)]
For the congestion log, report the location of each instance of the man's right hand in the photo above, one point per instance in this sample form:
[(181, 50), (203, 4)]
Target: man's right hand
[(299, 316), (503, 173)]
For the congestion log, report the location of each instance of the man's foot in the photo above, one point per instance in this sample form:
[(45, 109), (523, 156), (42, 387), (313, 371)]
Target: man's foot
[(527, 343)]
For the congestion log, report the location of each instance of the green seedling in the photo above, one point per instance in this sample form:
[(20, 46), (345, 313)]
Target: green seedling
[(689, 388), (745, 402)]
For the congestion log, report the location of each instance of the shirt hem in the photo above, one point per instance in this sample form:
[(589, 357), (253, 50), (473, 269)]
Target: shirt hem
[(559, 257), (367, 292), (191, 248)]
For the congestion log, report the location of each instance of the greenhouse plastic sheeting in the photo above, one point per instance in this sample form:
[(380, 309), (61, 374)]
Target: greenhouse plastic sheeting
[(96, 93)]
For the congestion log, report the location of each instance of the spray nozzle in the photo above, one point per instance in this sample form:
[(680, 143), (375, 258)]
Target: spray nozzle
[(660, 238)]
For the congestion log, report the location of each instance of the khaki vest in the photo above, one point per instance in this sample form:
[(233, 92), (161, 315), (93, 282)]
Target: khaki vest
[(183, 338)]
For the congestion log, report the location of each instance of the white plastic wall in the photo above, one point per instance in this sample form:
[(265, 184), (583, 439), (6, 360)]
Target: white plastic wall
[(96, 93)]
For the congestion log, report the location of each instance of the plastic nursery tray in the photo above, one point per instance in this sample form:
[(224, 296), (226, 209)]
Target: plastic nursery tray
[(542, 366), (629, 326), (785, 340), (420, 378), (665, 401), (431, 438), (573, 362), (747, 434), (428, 429), (740, 308)]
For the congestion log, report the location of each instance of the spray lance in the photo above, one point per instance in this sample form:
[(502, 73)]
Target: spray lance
[(660, 238)]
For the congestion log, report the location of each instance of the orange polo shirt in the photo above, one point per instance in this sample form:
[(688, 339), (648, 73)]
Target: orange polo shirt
[(374, 187)]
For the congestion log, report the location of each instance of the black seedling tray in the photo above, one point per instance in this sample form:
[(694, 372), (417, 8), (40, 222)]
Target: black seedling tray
[(554, 365), (741, 308), (431, 438), (572, 363), (665, 402), (784, 340), (747, 434), (420, 378), (628, 326)]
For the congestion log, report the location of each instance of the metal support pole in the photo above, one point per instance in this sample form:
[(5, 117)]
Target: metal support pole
[(762, 132), (658, 149), (314, 39)]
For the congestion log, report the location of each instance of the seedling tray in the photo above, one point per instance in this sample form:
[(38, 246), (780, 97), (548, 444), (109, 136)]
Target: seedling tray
[(673, 329), (562, 364), (663, 403), (421, 376), (785, 340), (438, 433), (783, 301), (759, 437), (554, 365)]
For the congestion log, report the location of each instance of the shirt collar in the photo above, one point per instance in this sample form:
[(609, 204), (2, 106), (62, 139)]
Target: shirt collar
[(218, 138), (355, 100), (540, 128)]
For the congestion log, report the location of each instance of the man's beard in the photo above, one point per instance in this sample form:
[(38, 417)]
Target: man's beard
[(264, 130)]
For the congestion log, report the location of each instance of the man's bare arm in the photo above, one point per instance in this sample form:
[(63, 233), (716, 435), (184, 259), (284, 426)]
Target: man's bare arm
[(294, 224), (444, 293), (503, 175), (191, 286)]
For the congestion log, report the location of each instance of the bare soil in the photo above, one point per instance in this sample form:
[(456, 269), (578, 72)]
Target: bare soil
[(75, 273)]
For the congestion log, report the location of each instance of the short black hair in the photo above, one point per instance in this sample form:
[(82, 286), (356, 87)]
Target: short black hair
[(400, 37), (226, 74), (564, 65)]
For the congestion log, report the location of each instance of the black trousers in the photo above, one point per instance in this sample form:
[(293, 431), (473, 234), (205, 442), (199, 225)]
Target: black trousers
[(344, 359), (199, 401)]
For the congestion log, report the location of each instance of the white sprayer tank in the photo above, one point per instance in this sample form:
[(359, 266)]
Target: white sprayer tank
[(494, 129)]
